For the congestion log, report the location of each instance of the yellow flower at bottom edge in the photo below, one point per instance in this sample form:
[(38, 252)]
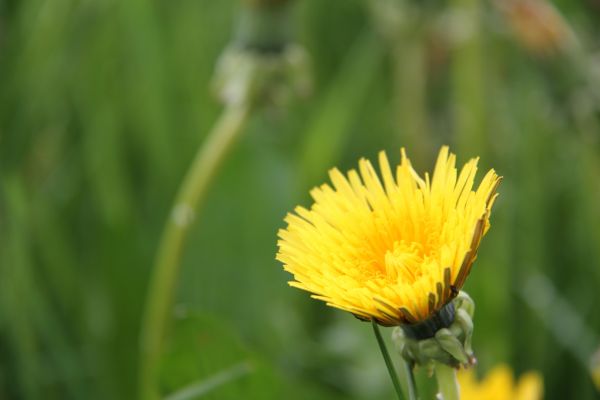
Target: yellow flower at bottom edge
[(499, 384), (394, 249)]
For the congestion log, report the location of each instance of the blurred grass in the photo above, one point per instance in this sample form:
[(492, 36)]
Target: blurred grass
[(102, 105)]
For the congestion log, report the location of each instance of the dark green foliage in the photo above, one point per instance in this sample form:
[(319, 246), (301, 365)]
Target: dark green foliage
[(104, 103)]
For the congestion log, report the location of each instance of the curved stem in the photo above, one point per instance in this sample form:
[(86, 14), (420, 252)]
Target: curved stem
[(447, 383), (164, 276), (388, 361)]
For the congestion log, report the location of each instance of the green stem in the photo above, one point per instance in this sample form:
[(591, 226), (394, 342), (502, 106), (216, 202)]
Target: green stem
[(412, 387), (388, 361), (410, 84), (469, 82), (192, 192), (447, 383)]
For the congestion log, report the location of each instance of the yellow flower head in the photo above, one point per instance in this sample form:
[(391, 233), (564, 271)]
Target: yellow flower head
[(499, 385), (394, 249)]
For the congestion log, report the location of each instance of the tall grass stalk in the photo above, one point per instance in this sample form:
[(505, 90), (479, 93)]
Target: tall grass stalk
[(468, 78), (410, 84)]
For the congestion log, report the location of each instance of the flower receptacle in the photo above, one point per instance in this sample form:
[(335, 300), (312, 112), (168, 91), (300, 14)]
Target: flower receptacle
[(444, 338)]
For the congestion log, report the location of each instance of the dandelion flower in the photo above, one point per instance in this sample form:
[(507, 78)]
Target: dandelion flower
[(389, 248), (499, 384)]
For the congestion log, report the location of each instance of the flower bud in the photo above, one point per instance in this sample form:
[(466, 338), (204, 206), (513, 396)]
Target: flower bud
[(262, 64)]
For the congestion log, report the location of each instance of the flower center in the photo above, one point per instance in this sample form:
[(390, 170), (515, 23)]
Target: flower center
[(405, 261)]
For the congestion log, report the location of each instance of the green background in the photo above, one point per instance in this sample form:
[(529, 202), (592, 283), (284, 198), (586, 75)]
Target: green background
[(104, 103)]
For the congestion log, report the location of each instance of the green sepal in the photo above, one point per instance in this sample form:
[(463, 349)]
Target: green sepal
[(450, 345)]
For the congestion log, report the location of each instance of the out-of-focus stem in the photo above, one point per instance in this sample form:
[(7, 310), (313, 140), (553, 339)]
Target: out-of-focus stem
[(264, 26), (163, 281), (447, 383), (403, 27), (410, 379), (265, 3), (469, 81), (410, 79)]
